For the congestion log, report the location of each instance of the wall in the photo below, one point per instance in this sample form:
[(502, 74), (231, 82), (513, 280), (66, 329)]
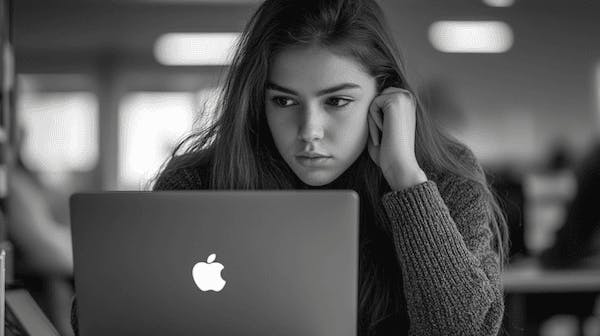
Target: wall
[(516, 103)]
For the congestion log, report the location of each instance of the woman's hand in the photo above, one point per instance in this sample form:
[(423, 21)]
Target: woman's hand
[(393, 113)]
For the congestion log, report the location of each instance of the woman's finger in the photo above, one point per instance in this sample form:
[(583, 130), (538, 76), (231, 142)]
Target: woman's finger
[(375, 112), (373, 151), (378, 118), (373, 132)]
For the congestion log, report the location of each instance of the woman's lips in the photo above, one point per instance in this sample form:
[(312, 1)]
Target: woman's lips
[(318, 161)]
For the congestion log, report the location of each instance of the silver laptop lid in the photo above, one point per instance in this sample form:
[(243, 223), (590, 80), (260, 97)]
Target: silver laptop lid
[(148, 263)]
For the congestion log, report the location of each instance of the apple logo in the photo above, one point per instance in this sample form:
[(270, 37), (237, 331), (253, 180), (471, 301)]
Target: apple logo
[(207, 275)]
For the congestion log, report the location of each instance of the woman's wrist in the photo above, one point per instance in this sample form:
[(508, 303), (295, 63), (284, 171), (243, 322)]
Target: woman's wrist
[(406, 178)]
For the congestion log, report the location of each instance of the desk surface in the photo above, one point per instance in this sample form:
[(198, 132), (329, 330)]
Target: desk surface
[(527, 276)]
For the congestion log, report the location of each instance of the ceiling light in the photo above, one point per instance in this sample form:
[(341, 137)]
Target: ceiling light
[(195, 48), (499, 3), (471, 36)]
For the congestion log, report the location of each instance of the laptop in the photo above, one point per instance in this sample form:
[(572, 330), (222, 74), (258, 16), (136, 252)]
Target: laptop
[(216, 262)]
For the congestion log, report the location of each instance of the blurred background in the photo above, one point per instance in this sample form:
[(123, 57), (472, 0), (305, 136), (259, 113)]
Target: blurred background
[(96, 93)]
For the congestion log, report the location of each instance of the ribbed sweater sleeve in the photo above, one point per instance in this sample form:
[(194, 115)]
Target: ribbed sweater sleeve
[(451, 274)]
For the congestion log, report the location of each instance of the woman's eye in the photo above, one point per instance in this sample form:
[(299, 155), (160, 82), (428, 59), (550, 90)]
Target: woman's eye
[(336, 101), (281, 101)]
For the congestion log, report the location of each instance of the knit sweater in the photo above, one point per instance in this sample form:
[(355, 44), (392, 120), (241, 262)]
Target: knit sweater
[(442, 239)]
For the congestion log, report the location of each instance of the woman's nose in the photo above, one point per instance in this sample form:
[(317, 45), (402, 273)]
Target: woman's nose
[(311, 128)]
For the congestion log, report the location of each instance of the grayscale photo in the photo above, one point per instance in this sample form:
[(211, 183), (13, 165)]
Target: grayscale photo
[(300, 167)]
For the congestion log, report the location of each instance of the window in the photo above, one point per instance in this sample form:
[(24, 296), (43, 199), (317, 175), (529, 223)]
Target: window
[(59, 129), (151, 125)]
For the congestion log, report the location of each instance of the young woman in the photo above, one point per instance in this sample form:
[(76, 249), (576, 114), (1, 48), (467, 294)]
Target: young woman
[(316, 98)]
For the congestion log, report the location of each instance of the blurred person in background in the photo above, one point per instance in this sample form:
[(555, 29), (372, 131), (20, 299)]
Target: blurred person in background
[(577, 241), (43, 251)]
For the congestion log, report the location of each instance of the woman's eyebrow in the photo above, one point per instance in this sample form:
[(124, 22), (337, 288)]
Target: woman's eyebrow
[(273, 86)]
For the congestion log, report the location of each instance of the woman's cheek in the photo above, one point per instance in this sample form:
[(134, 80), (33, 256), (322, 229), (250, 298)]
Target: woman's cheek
[(351, 128), (281, 126), (355, 121)]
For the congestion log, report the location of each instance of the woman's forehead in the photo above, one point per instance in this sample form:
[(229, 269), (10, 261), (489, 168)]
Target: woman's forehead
[(315, 67)]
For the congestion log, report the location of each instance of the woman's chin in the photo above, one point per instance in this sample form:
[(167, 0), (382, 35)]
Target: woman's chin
[(315, 183), (317, 178)]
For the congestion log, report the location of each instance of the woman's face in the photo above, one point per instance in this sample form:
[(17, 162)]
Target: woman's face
[(316, 107)]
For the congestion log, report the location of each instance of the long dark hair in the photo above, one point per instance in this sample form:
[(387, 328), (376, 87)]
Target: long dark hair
[(242, 155)]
